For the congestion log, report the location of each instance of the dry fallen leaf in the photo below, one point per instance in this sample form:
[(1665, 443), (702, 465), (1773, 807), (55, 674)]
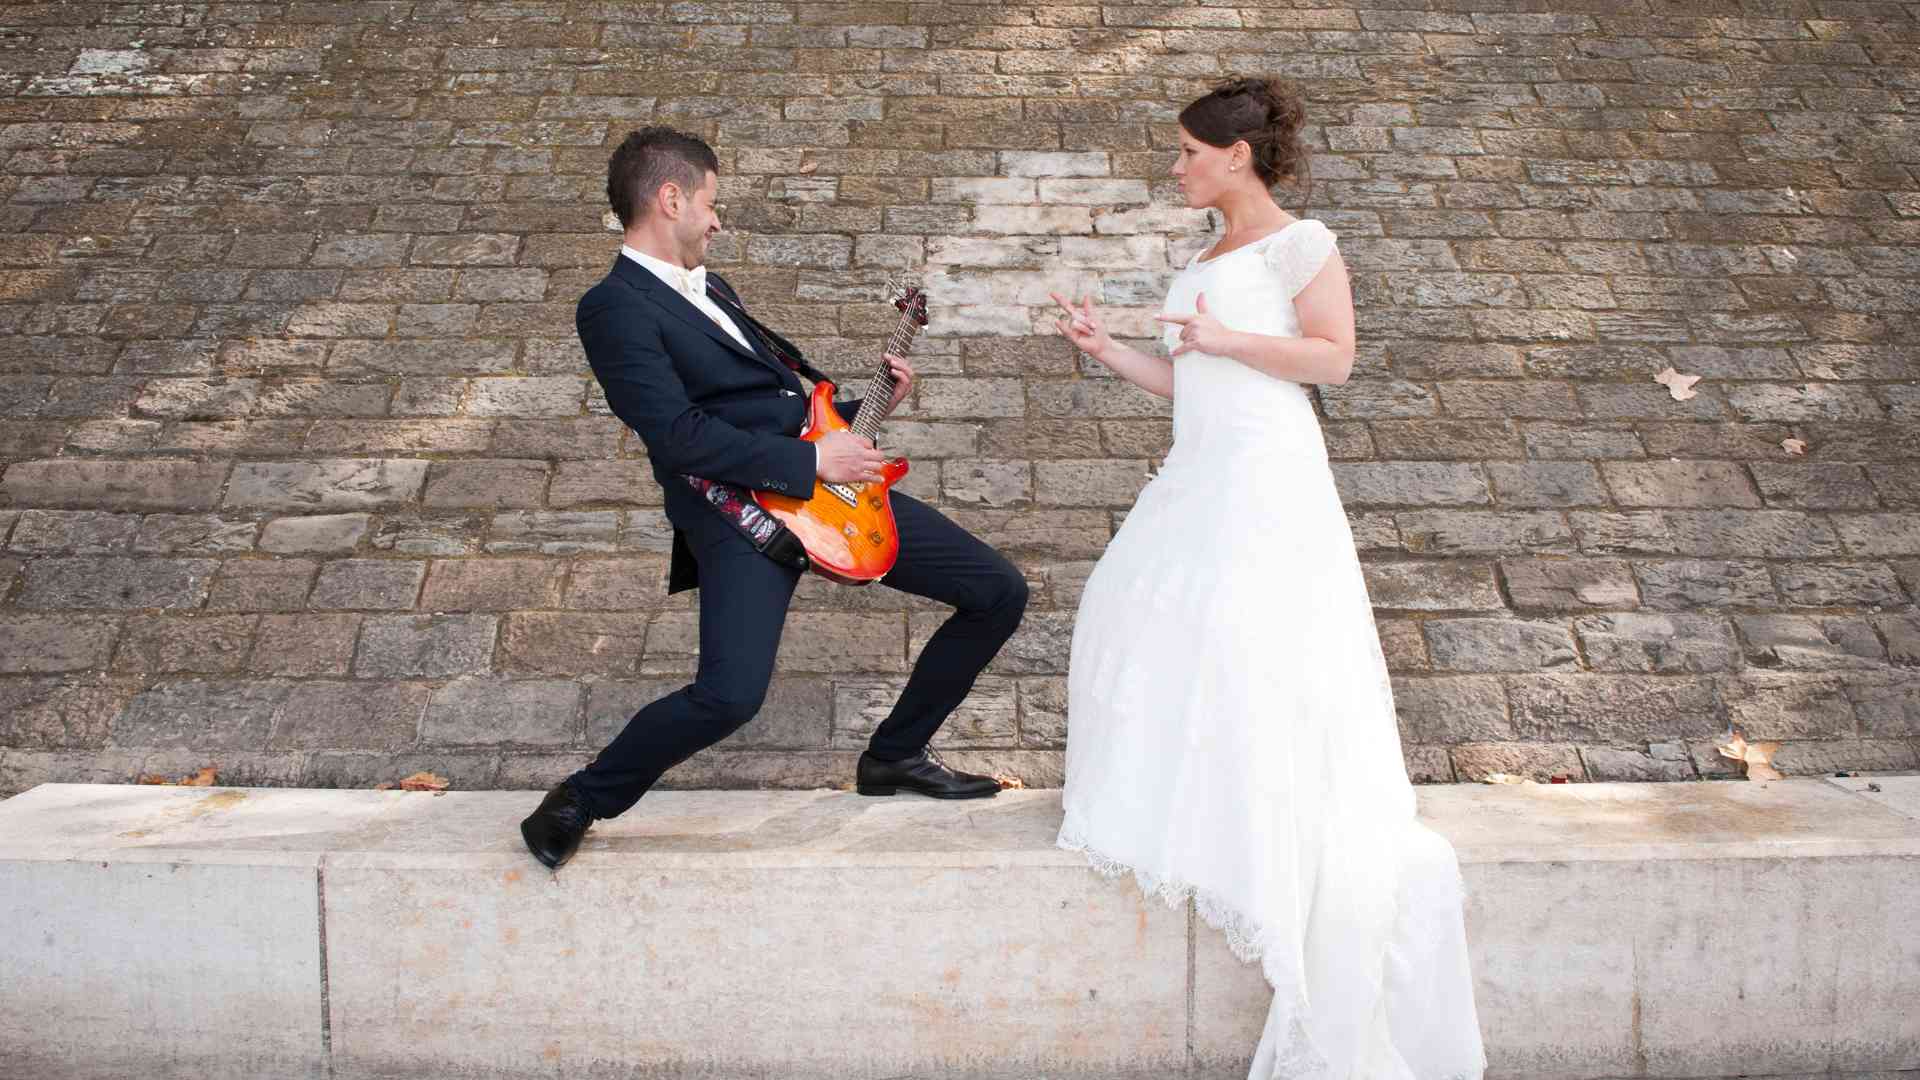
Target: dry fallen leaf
[(1794, 447), (1010, 782), (1757, 757), (424, 781), (1680, 386), (1505, 778), (204, 778)]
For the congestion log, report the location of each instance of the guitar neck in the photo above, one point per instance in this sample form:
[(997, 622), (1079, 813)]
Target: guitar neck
[(879, 395)]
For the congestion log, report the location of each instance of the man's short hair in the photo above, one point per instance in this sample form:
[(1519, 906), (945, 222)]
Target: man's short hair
[(650, 158)]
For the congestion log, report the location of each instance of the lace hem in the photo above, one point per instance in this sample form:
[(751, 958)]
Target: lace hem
[(1243, 932), (1299, 1057)]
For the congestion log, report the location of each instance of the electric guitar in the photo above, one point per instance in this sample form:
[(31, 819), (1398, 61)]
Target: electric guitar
[(848, 529)]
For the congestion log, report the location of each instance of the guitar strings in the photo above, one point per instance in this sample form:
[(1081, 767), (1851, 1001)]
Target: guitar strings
[(866, 423)]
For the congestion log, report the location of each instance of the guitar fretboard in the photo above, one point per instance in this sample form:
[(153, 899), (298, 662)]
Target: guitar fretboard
[(879, 394)]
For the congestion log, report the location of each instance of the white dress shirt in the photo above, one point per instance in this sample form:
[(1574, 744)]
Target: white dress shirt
[(691, 284)]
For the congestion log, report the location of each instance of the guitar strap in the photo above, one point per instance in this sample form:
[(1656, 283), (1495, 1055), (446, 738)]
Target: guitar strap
[(735, 503)]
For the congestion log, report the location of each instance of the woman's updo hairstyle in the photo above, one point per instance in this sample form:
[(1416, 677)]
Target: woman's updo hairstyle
[(1267, 113)]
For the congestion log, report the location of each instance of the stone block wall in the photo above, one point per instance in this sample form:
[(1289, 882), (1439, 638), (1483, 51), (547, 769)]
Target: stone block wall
[(302, 473)]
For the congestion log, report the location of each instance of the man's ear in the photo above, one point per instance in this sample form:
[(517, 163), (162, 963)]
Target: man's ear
[(670, 199)]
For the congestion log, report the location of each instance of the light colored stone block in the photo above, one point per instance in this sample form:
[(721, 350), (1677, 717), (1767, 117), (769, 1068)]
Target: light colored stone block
[(1647, 930)]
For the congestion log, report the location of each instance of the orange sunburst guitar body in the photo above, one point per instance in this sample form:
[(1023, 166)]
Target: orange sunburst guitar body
[(848, 529)]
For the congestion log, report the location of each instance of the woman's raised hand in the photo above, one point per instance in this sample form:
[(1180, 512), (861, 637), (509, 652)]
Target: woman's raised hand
[(1199, 332), (1083, 326)]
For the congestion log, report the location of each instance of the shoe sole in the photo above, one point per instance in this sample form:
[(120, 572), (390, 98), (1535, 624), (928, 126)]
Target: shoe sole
[(882, 792)]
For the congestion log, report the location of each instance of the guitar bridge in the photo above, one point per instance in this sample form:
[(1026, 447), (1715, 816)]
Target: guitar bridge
[(846, 493)]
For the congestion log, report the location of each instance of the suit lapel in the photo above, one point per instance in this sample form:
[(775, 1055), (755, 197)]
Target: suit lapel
[(677, 305)]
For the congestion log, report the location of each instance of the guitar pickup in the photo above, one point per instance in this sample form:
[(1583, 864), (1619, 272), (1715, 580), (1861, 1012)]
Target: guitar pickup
[(845, 493)]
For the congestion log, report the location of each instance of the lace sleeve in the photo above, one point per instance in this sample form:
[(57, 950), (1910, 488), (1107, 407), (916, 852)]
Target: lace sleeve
[(1300, 254)]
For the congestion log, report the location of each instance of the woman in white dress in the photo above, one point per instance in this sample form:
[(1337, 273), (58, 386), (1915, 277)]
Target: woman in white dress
[(1232, 732)]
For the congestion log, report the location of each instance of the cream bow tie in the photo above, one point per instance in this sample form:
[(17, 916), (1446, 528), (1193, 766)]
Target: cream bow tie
[(694, 282)]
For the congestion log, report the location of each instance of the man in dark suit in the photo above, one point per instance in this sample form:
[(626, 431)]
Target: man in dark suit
[(686, 367)]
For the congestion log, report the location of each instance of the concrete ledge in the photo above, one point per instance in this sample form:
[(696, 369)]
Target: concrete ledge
[(1670, 930)]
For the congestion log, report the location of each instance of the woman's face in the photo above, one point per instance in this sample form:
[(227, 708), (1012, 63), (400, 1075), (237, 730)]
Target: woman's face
[(1204, 171)]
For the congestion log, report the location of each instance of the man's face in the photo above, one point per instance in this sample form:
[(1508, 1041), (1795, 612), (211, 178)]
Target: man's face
[(699, 222)]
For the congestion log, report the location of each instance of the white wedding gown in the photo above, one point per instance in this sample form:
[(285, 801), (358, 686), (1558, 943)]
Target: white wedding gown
[(1231, 728)]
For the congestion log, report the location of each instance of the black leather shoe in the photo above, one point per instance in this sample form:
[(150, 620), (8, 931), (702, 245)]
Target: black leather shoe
[(926, 774), (553, 831)]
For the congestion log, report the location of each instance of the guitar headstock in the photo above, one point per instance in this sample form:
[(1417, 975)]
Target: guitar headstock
[(909, 297)]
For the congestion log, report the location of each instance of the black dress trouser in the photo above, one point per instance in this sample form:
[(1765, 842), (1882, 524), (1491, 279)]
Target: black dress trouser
[(743, 608)]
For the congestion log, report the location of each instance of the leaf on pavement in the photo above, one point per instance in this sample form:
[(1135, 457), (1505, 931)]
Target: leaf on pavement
[(1757, 757), (204, 778), (1680, 386), (1010, 782), (424, 781), (1504, 778)]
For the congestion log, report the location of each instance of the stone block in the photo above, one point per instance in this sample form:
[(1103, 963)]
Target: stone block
[(70, 713), (1810, 642), (1781, 705), (988, 717), (262, 584), (1679, 483), (566, 643), (1546, 483), (486, 484), (426, 646), (494, 712), (1114, 483), (193, 534), (114, 485), (1474, 532), (1499, 645), (1826, 585), (492, 584), (238, 992), (305, 644), (202, 715), (73, 532), (1539, 762), (368, 584), (1043, 712), (1447, 710), (116, 583), (329, 715), (1610, 763), (585, 483), (1432, 586), (326, 484), (325, 534), (179, 643), (1655, 642), (1683, 584), (621, 584), (1412, 483), (1617, 710), (1569, 584), (986, 482), (567, 532)]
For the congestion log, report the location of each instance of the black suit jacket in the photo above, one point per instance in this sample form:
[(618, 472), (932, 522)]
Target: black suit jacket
[(702, 404)]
